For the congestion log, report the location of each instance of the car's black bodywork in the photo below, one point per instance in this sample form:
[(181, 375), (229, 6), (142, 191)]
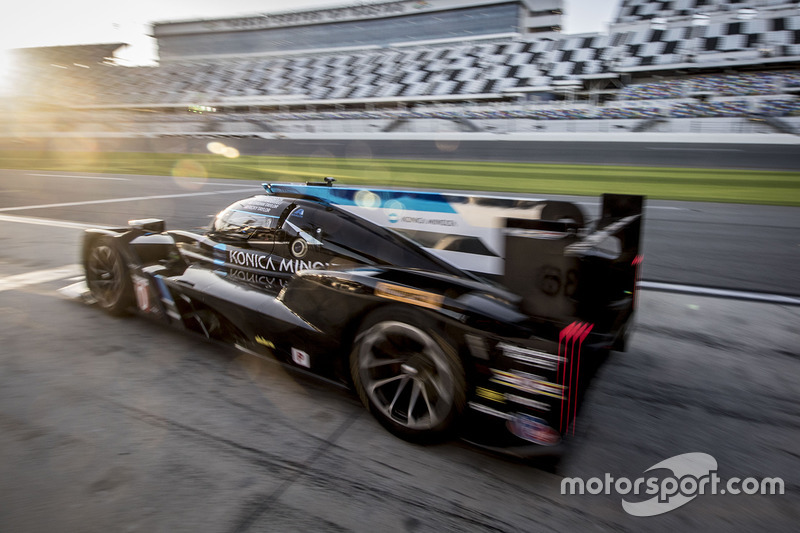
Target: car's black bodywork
[(308, 273)]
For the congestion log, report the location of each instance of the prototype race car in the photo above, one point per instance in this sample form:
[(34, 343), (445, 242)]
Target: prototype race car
[(485, 314)]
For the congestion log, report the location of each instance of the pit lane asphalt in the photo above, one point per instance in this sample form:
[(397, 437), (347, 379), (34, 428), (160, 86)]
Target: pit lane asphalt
[(739, 247), (123, 425)]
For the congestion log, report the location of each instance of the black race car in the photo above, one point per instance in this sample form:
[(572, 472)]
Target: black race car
[(443, 311)]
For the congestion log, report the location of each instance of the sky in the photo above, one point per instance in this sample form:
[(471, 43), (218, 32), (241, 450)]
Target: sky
[(55, 23)]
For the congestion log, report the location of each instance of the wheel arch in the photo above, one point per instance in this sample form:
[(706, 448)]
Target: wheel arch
[(92, 235), (439, 326), (441, 359)]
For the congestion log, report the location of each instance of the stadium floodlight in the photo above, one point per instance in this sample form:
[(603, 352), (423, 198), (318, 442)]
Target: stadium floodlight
[(658, 24), (747, 13)]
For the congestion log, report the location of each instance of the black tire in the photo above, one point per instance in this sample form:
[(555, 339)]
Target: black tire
[(409, 376), (108, 277)]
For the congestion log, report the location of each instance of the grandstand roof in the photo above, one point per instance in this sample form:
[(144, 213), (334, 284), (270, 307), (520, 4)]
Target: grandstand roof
[(382, 24), (345, 11), (81, 53)]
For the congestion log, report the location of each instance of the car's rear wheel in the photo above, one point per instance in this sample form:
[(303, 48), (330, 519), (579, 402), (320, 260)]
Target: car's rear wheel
[(409, 376), (108, 278)]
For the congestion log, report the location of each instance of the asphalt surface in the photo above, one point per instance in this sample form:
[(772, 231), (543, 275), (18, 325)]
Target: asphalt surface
[(113, 424), (123, 425)]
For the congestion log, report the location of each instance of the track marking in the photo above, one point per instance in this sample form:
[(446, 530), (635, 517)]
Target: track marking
[(646, 208), (79, 177), (50, 222), (661, 149), (117, 200), (720, 293), (224, 184), (10, 283), (77, 290)]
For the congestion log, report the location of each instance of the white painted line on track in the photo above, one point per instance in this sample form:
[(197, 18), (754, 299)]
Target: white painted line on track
[(665, 149), (75, 291), (79, 177), (50, 222), (10, 283), (225, 184), (117, 200), (646, 208), (720, 293)]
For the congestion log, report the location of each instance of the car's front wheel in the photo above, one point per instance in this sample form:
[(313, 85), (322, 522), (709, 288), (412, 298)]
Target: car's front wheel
[(108, 278), (408, 375)]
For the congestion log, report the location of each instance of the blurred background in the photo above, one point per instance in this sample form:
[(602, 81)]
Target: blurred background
[(473, 66)]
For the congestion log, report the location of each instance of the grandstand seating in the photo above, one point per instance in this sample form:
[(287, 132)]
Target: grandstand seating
[(639, 10), (477, 69), (717, 84)]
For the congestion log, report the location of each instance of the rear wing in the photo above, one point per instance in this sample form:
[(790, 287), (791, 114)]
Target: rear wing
[(565, 275)]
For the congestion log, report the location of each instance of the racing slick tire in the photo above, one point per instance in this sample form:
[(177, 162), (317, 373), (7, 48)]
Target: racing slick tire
[(409, 376), (108, 277)]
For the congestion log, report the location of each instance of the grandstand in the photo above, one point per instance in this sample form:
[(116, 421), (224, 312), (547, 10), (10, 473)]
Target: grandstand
[(463, 65)]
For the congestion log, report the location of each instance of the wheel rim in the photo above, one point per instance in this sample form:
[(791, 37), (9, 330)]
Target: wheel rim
[(104, 275), (406, 375)]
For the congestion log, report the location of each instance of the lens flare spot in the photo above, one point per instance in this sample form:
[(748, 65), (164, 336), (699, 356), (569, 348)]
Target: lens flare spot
[(216, 147), (189, 168), (393, 209), (394, 205), (447, 146), (367, 199), (358, 150), (230, 152)]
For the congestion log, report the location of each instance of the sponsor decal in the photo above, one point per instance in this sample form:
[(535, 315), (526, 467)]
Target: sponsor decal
[(293, 265), (409, 295), (527, 402), (543, 360), (535, 233), (301, 358), (489, 394), (528, 383), (142, 290), (264, 204), (485, 409), (250, 259), (260, 280), (533, 429), (264, 342), (299, 248), (425, 221), (271, 263), (393, 218), (298, 213)]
